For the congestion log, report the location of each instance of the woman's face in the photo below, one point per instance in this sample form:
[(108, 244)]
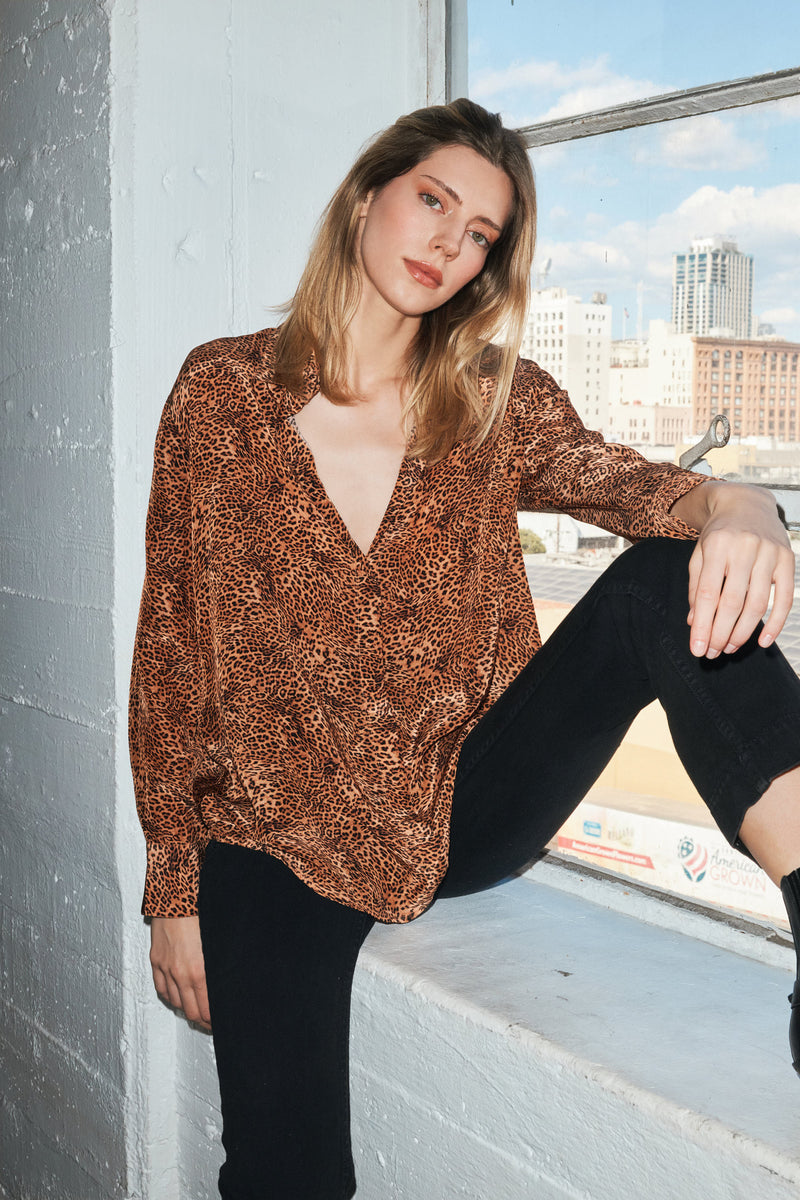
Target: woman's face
[(428, 232)]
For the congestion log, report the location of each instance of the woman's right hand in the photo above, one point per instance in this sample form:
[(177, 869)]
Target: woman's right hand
[(176, 956)]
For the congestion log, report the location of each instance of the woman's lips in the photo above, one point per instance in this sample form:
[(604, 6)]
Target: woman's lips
[(424, 273)]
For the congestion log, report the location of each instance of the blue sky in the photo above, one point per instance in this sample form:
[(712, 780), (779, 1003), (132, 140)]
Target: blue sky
[(614, 209)]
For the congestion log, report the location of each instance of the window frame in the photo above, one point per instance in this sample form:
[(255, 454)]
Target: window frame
[(668, 106), (654, 110)]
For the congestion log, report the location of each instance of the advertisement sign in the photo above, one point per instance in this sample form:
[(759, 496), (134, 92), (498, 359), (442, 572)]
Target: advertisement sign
[(692, 860)]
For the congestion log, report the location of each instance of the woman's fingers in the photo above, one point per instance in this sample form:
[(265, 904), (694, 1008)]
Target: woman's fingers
[(173, 996), (695, 567), (754, 606), (782, 598), (707, 576), (194, 1002), (176, 956), (742, 554), (161, 985), (731, 579)]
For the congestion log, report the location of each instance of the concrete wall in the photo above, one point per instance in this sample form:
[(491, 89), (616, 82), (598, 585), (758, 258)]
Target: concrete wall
[(162, 166), (61, 1005)]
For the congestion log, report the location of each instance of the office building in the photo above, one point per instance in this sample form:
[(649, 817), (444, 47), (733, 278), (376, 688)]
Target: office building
[(650, 388), (572, 340), (712, 290), (753, 382)]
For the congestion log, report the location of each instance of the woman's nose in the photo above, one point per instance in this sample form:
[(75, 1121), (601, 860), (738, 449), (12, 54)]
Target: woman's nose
[(447, 241)]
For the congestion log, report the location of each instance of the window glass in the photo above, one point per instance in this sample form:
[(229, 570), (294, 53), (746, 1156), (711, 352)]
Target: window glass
[(535, 62), (633, 226), (614, 209)]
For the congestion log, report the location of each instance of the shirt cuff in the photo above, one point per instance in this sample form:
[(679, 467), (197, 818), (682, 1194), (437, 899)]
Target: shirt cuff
[(173, 876), (674, 485)]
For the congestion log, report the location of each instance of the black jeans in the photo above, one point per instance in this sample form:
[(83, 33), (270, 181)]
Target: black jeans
[(279, 967), (280, 958)]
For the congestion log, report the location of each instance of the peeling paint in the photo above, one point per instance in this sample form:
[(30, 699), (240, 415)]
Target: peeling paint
[(190, 247)]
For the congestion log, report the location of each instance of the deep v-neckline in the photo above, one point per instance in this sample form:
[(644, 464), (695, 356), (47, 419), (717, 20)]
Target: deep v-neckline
[(311, 464)]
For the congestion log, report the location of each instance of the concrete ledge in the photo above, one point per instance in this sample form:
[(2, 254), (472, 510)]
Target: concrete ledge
[(529, 1042)]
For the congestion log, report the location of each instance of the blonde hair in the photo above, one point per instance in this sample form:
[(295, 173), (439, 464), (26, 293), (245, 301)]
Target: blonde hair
[(454, 343)]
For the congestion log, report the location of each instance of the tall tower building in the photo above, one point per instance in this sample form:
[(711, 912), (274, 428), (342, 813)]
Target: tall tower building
[(712, 290)]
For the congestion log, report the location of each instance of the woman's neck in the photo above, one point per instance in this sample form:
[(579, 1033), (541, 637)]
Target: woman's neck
[(378, 345)]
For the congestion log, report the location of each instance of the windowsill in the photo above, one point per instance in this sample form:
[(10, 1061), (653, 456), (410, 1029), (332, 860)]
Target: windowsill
[(726, 929), (537, 1034)]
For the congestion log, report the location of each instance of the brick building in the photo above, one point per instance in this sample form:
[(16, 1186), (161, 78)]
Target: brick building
[(754, 382)]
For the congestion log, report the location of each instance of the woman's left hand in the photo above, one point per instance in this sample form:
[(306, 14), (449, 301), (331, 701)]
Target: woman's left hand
[(742, 552)]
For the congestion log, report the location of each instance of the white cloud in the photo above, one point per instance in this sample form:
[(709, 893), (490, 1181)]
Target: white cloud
[(769, 215), (534, 73), (587, 258), (788, 107), (610, 92), (551, 156), (705, 143), (549, 90)]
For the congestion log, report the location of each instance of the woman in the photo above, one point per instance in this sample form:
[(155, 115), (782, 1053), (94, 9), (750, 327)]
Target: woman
[(340, 708)]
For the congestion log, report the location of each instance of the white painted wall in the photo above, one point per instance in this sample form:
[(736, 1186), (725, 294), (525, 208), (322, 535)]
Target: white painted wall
[(162, 166)]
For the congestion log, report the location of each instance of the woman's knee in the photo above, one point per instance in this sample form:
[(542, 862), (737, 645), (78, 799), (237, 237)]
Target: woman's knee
[(659, 563)]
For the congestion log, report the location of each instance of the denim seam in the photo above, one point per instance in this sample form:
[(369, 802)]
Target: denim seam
[(742, 745), (738, 743), (760, 780), (727, 730)]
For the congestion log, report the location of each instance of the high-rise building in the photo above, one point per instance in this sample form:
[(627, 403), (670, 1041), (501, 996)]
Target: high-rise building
[(712, 290), (572, 341)]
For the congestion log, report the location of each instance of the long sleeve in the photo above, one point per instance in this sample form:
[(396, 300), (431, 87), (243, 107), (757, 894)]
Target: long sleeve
[(571, 469), (167, 684)]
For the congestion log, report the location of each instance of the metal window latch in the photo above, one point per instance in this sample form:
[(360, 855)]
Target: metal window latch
[(716, 436), (785, 494)]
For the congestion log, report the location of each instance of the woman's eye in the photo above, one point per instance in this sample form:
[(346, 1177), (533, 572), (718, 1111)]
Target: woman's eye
[(431, 200), (480, 239)]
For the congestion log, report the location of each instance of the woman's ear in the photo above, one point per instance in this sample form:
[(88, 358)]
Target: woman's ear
[(365, 203)]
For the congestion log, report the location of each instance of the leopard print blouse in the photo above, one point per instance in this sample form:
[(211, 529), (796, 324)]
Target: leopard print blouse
[(292, 693)]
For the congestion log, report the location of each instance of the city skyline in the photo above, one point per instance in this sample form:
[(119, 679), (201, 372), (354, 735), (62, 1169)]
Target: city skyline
[(614, 209), (660, 390)]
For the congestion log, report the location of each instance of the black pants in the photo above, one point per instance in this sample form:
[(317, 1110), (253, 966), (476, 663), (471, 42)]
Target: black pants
[(280, 958)]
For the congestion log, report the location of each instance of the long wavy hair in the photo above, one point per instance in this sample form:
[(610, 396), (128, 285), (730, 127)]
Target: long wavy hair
[(454, 344)]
